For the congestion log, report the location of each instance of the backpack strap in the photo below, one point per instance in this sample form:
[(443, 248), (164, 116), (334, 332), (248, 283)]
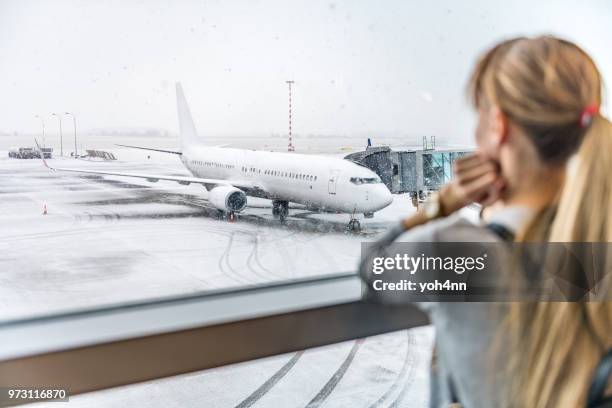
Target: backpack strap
[(501, 231), (600, 381)]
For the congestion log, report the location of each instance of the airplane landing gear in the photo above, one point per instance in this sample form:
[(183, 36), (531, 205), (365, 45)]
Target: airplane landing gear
[(353, 225), (229, 216), (280, 209)]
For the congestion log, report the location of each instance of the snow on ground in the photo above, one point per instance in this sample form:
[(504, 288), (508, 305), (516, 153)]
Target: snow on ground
[(112, 239)]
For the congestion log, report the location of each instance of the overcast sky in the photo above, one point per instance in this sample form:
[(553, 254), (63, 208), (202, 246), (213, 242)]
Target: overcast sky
[(359, 66)]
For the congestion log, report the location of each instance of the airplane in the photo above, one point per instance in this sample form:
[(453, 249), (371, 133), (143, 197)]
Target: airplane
[(230, 175)]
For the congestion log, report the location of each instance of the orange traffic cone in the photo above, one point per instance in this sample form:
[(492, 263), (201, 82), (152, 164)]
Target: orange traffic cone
[(45, 210)]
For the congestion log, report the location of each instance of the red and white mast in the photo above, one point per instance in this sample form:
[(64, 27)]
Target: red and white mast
[(290, 148)]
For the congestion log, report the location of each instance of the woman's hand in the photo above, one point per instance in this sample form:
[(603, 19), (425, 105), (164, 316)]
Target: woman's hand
[(477, 180)]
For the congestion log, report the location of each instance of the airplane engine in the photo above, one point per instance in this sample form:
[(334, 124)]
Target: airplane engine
[(227, 198)]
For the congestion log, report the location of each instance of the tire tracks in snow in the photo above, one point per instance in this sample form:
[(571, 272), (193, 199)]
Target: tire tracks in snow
[(270, 382), (335, 379)]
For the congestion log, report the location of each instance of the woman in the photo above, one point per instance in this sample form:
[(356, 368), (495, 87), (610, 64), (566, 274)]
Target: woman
[(538, 104)]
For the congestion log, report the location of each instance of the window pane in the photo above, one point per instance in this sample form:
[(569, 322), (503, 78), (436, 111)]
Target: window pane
[(346, 374), (161, 192)]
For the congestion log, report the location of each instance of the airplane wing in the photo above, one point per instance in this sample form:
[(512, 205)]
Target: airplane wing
[(242, 184), (162, 150), (153, 150)]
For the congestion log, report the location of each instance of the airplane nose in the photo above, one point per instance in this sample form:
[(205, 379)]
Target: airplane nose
[(386, 197), (383, 197)]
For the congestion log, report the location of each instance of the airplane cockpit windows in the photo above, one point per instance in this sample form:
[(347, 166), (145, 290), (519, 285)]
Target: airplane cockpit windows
[(365, 180)]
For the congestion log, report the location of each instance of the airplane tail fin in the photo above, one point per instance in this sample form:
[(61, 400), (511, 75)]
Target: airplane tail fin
[(188, 133)]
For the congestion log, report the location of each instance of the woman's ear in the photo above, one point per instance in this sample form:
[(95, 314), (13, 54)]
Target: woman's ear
[(499, 127)]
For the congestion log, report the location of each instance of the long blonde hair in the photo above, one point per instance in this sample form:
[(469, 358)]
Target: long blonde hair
[(543, 85)]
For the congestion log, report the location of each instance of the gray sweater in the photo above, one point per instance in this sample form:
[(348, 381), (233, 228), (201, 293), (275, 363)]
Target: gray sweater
[(465, 365)]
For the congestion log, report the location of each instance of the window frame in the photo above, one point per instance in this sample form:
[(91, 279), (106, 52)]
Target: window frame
[(105, 347)]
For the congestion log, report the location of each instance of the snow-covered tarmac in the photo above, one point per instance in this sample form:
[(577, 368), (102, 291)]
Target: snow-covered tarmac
[(110, 239)]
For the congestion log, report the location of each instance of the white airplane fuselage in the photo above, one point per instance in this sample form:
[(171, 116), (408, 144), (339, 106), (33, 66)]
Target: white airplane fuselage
[(230, 175), (322, 182)]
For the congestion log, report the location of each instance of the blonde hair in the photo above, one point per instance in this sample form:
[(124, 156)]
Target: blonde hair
[(543, 85)]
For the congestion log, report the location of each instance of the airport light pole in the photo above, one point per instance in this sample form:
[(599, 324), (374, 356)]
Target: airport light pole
[(290, 148), (75, 138), (43, 128), (59, 118)]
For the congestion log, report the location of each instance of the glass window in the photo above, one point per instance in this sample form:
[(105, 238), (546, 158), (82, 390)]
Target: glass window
[(371, 73)]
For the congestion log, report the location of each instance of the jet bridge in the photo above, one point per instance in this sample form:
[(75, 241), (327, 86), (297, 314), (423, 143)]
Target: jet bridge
[(416, 171)]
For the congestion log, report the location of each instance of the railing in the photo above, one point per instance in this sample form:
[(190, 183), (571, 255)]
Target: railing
[(112, 346)]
